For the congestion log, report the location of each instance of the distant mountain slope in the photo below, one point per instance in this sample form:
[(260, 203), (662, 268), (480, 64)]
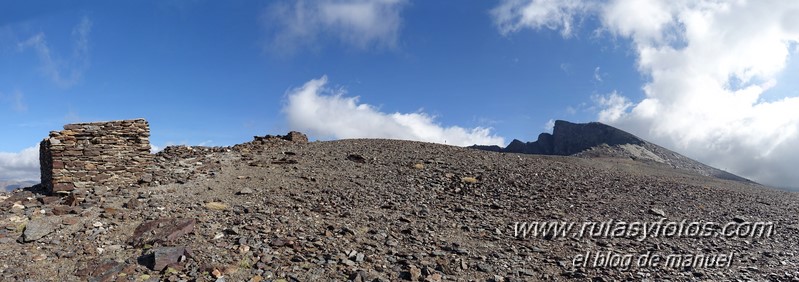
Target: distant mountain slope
[(8, 185), (598, 140)]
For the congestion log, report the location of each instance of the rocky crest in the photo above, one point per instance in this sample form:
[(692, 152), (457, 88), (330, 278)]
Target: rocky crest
[(568, 139), (598, 140), (281, 209)]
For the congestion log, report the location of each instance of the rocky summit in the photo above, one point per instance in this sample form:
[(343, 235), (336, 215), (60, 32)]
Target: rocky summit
[(598, 140), (280, 208)]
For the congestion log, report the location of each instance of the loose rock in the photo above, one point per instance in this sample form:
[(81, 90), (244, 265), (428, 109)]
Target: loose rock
[(36, 229)]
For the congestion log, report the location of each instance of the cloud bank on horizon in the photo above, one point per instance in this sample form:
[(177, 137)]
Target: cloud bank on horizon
[(23, 165), (65, 71), (708, 64), (326, 112)]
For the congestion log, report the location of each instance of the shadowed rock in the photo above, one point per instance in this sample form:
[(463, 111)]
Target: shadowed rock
[(571, 138), (161, 231), (103, 271), (162, 257)]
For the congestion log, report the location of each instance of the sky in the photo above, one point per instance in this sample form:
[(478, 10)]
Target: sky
[(713, 80)]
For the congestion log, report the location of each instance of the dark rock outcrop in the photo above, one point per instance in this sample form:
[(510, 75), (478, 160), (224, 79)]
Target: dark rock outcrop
[(394, 210), (595, 139), (571, 138), (161, 231)]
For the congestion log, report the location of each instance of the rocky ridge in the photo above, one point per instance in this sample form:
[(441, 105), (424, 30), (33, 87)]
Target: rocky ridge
[(598, 140), (280, 209)]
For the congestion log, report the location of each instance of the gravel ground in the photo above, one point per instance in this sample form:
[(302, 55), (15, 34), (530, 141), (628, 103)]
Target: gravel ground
[(388, 210)]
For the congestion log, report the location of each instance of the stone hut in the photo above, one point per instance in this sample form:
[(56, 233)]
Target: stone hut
[(97, 154)]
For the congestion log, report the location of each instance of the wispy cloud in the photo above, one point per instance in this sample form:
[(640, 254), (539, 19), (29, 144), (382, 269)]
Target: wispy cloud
[(63, 71), (72, 116), (597, 75), (514, 15), (359, 23), (566, 67), (16, 100), (549, 126), (327, 113), (708, 63), (23, 165)]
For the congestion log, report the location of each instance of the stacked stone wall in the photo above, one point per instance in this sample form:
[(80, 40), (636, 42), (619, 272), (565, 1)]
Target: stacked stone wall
[(97, 154)]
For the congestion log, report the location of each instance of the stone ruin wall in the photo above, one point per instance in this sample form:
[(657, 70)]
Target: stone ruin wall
[(98, 154)]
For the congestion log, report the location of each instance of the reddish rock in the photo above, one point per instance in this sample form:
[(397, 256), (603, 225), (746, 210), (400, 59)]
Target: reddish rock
[(62, 210), (72, 153), (49, 199), (71, 200), (59, 187), (101, 271), (161, 231), (70, 221)]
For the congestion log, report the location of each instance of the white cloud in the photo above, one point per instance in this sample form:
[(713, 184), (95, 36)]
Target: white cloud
[(359, 23), (614, 106), (708, 63), (63, 72), (597, 75), (513, 15), (23, 165), (641, 20), (571, 110), (327, 113), (566, 67), (549, 126)]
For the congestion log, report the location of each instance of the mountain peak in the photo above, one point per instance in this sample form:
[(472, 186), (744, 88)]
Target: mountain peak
[(571, 138), (596, 139)]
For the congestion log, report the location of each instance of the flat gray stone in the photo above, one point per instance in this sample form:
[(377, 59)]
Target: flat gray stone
[(39, 228)]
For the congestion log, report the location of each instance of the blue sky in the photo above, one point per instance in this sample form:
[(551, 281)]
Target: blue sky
[(219, 72)]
